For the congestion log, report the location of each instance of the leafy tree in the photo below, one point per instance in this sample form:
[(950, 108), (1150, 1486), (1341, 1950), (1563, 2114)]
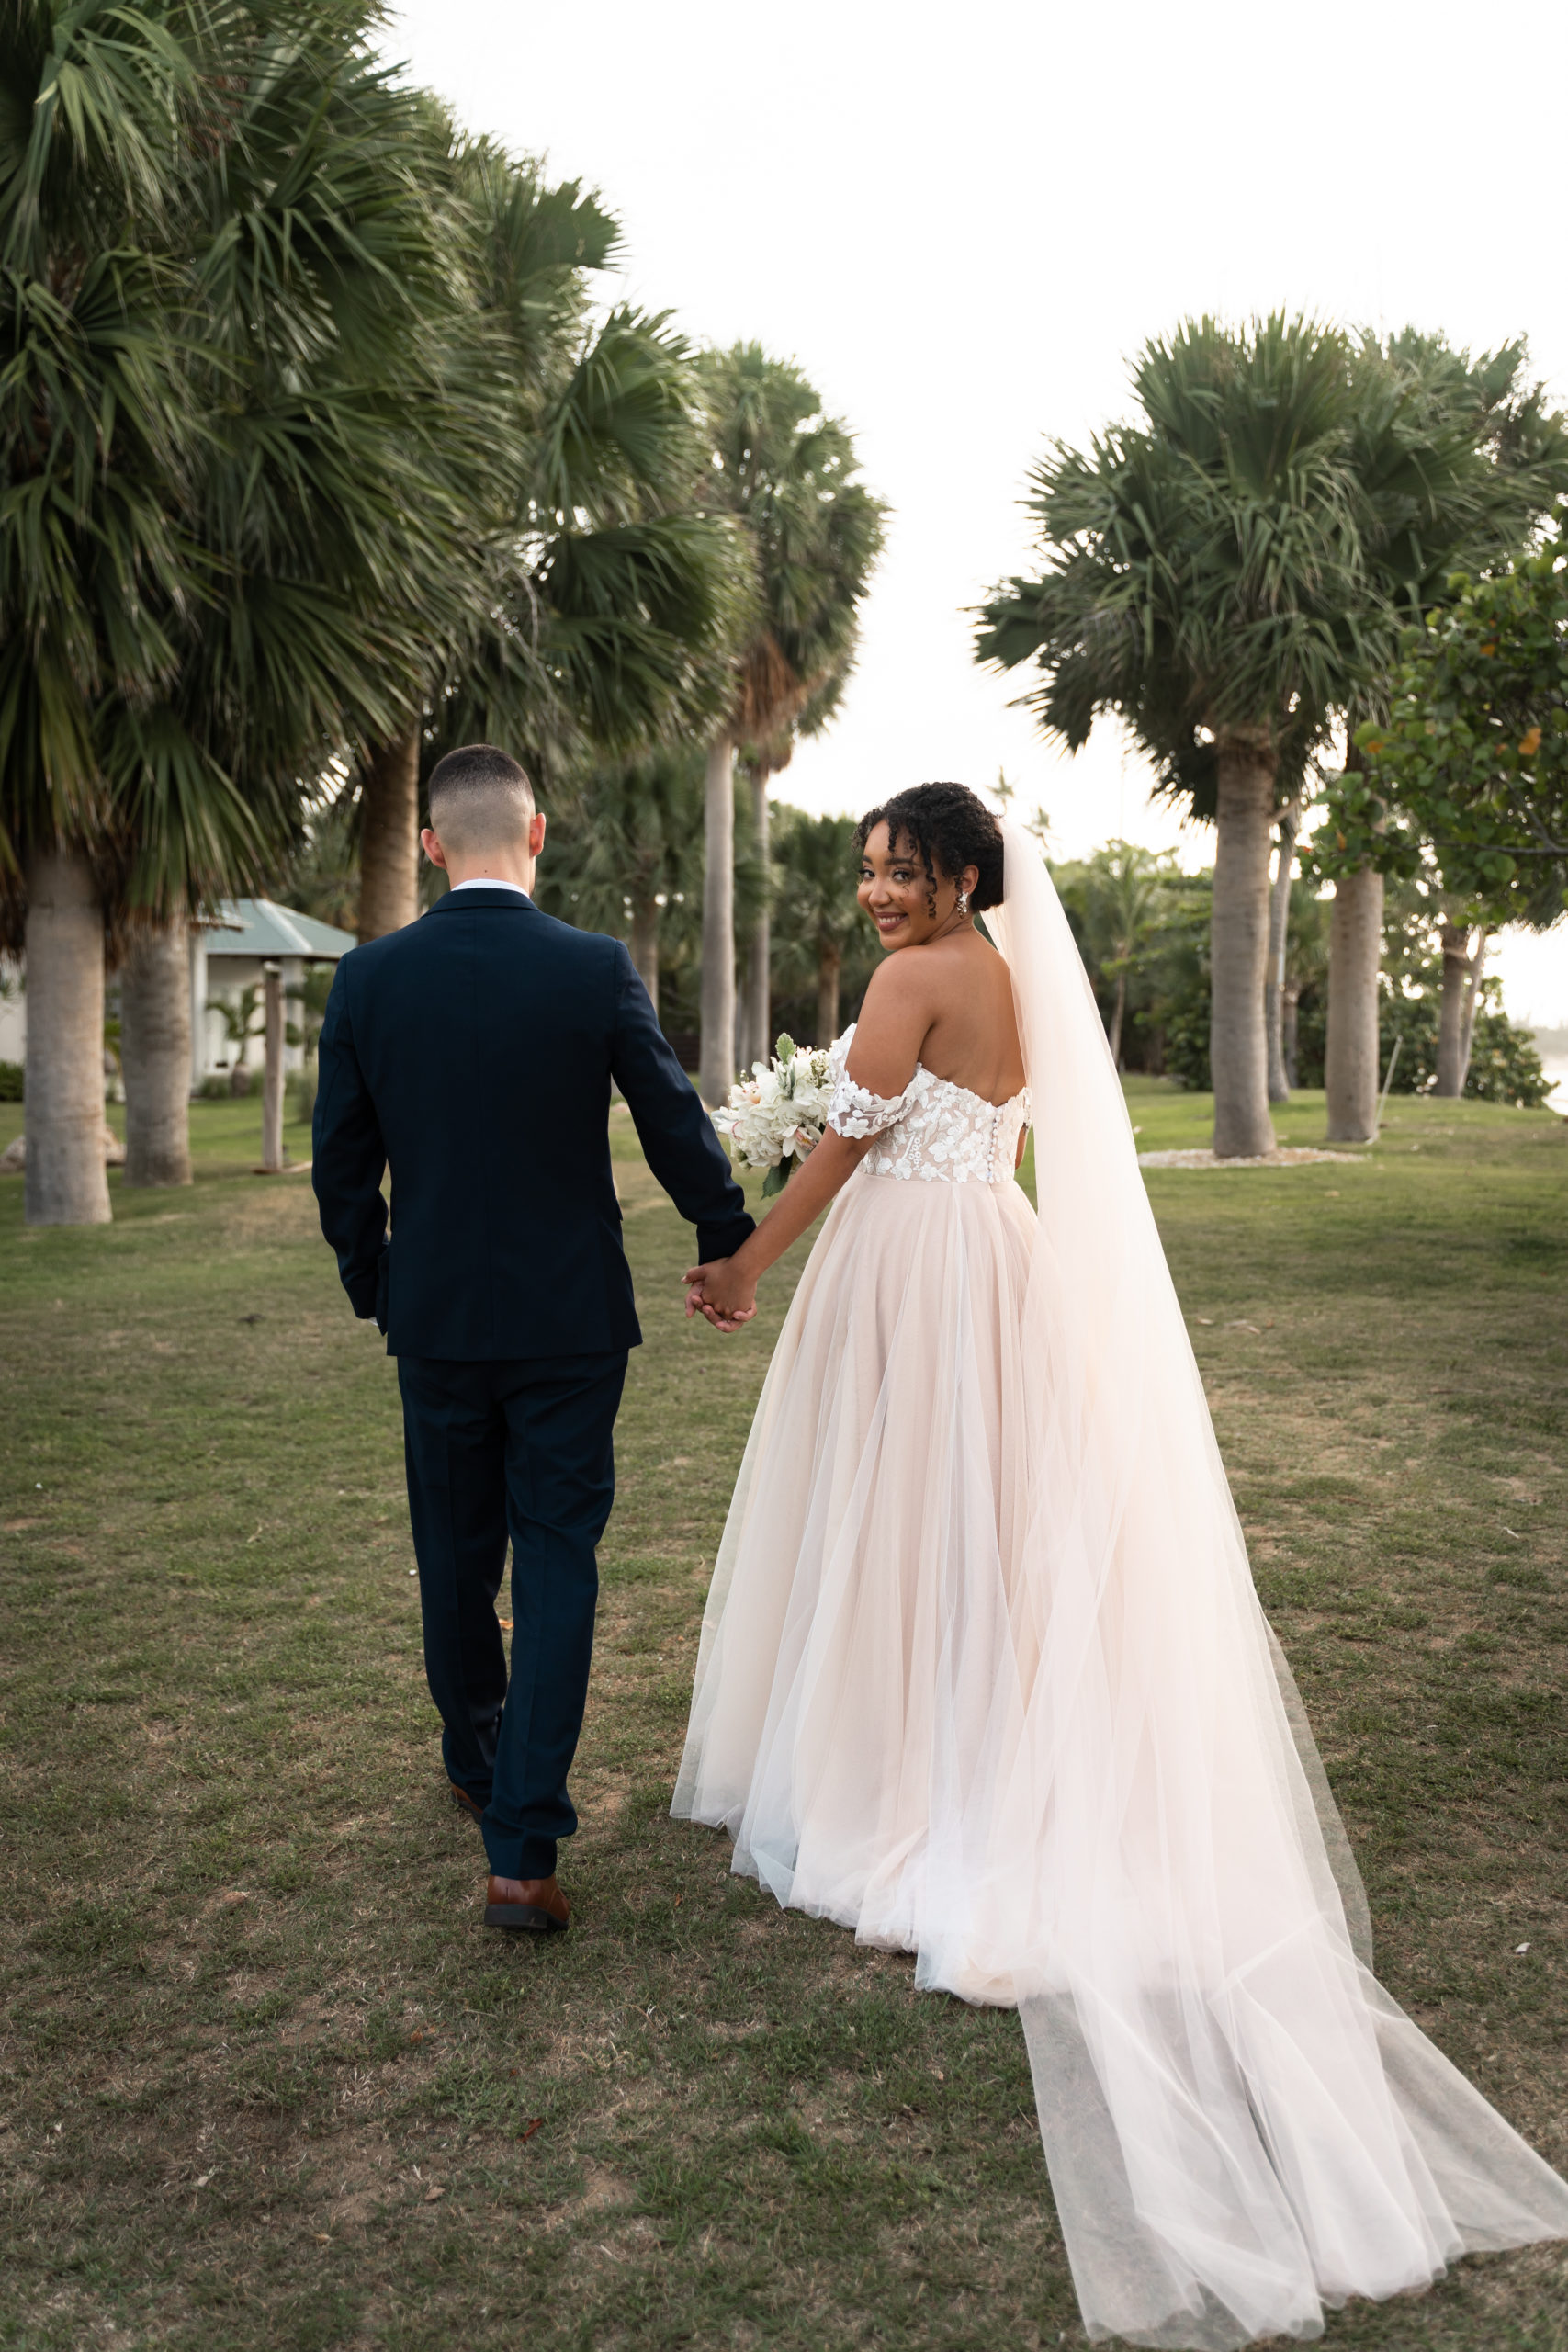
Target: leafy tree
[(1466, 780), (787, 473), (1460, 457), (1505, 1068)]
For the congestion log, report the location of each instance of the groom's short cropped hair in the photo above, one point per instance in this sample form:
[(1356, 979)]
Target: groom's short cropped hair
[(479, 799)]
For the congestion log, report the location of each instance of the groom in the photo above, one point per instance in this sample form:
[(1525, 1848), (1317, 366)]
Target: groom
[(472, 1055)]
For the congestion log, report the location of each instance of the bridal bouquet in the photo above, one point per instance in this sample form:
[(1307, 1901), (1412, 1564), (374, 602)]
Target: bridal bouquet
[(778, 1114)]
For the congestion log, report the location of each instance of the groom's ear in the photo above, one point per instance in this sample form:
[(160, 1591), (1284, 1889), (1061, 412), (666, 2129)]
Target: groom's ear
[(535, 835), (431, 844)]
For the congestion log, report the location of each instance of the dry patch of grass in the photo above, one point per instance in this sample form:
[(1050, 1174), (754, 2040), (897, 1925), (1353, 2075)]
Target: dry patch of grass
[(265, 2079)]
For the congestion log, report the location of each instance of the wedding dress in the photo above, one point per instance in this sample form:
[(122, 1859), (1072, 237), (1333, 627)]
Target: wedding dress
[(984, 1676)]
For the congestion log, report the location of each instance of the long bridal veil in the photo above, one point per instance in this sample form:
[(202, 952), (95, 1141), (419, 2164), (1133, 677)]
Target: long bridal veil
[(1240, 2124)]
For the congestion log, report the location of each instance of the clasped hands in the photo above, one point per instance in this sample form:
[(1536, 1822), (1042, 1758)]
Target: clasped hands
[(720, 1294)]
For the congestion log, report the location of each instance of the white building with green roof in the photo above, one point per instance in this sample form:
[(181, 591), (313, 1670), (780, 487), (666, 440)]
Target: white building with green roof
[(229, 952)]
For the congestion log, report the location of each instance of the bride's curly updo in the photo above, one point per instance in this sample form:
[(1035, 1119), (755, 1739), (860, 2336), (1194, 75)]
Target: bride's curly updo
[(948, 826)]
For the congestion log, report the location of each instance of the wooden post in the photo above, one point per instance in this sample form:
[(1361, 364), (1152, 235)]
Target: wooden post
[(272, 1080)]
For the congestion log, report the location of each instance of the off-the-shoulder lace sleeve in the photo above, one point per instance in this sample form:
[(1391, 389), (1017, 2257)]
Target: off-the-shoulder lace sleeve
[(853, 1110)]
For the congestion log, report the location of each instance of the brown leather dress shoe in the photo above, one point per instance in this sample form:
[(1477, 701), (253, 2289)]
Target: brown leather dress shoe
[(471, 1805), (535, 1903)]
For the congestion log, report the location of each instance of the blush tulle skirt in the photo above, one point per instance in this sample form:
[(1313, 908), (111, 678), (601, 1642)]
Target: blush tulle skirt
[(860, 1609), (983, 1677)]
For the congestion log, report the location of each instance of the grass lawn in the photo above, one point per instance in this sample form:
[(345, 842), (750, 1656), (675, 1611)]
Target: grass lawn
[(265, 2079)]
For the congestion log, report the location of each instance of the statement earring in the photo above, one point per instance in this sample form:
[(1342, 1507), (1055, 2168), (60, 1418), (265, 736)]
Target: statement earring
[(963, 903)]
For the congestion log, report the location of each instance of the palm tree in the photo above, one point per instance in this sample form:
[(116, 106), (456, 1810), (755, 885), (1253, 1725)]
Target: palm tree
[(517, 253), (208, 407), (627, 858), (586, 606), (310, 248), (1306, 966), (99, 444), (322, 877), (1125, 890), (1229, 577), (1204, 582), (815, 860), (787, 473), (760, 763), (1288, 827)]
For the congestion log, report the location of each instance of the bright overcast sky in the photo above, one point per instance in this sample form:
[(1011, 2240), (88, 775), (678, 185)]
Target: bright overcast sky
[(962, 222)]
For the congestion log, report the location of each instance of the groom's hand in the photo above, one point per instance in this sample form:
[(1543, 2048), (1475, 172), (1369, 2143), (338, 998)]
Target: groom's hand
[(706, 1297)]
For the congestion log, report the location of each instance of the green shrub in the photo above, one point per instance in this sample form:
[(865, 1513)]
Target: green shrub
[(1505, 1065), (1186, 1039), (11, 1081)]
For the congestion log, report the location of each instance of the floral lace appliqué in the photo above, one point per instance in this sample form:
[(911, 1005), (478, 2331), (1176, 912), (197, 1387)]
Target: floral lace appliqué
[(934, 1130)]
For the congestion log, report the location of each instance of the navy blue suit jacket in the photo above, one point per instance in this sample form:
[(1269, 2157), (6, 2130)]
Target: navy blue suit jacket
[(473, 1054)]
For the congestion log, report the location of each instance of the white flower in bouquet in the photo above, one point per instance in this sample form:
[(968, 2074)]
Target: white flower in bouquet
[(777, 1116)]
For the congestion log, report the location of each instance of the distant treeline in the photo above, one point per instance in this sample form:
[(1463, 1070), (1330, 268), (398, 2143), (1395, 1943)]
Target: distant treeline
[(1143, 930)]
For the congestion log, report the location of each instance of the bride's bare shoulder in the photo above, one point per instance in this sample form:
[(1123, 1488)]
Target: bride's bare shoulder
[(899, 980)]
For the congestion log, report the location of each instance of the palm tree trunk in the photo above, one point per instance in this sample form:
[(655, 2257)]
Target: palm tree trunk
[(1289, 1007), (1279, 939), (715, 1072), (65, 1182), (1452, 1058), (388, 837), (155, 1054), (756, 1023), (272, 1073), (830, 964), (1240, 945), (1473, 1003), (645, 946), (1355, 957), (1118, 1015)]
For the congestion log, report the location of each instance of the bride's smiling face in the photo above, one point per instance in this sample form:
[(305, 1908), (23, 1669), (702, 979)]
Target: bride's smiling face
[(897, 895)]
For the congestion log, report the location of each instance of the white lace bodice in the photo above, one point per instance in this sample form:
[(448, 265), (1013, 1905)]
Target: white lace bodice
[(935, 1130)]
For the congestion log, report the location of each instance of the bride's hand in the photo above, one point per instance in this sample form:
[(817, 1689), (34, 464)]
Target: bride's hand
[(724, 1296)]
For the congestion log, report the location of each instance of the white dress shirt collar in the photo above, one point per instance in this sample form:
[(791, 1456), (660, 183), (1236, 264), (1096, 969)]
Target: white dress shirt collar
[(490, 882)]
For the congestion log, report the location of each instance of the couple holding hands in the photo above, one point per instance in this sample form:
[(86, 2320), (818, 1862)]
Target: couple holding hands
[(982, 1675)]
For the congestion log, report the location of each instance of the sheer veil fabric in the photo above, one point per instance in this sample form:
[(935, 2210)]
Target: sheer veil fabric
[(1032, 1725)]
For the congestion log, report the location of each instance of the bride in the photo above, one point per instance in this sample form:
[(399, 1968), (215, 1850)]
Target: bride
[(984, 1676)]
